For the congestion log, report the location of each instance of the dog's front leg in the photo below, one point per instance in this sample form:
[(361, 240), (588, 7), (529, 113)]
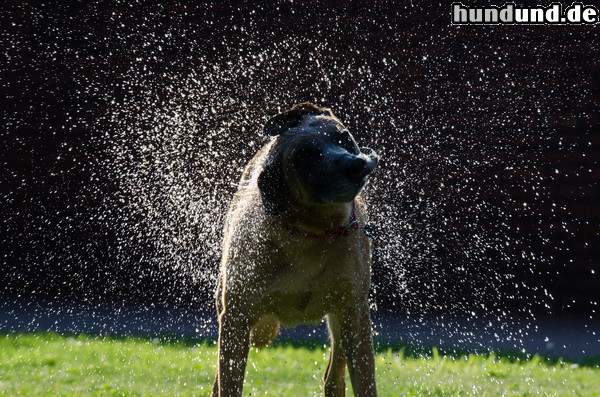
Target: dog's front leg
[(358, 346), (234, 333), (335, 386)]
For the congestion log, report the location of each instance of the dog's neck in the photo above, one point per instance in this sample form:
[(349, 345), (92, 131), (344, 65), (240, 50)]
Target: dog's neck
[(322, 220)]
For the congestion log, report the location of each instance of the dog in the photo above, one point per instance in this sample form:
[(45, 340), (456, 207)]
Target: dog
[(294, 250)]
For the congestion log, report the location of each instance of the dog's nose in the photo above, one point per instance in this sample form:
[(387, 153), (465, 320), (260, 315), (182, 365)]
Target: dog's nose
[(356, 167)]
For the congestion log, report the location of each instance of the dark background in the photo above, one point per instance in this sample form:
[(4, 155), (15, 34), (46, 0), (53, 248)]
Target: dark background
[(484, 131)]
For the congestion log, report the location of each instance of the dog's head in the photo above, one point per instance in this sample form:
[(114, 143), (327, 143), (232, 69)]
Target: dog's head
[(314, 160)]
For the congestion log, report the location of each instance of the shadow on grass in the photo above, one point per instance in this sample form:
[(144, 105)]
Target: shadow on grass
[(404, 350), (414, 352)]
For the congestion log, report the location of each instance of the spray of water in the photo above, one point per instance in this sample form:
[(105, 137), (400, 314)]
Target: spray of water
[(461, 143), (443, 241)]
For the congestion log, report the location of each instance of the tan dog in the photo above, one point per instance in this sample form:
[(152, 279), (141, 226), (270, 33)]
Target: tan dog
[(294, 251)]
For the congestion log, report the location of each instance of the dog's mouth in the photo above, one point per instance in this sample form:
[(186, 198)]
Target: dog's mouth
[(352, 175)]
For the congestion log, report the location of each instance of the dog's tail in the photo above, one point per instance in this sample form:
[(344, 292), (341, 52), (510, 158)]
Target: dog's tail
[(265, 331)]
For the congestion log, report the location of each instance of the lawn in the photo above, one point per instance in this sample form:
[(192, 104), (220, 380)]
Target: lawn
[(52, 364)]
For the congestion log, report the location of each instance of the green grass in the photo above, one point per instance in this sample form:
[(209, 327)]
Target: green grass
[(51, 364)]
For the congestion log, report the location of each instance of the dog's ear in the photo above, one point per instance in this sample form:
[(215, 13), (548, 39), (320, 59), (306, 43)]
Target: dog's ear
[(291, 118), (273, 189)]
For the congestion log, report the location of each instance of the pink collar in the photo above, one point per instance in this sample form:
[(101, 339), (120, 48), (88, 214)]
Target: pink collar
[(343, 231)]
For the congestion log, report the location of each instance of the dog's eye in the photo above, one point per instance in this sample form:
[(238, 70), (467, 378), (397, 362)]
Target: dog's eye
[(307, 152), (346, 141)]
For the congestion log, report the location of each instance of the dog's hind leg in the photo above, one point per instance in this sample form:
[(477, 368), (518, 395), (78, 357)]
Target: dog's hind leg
[(264, 332), (335, 385)]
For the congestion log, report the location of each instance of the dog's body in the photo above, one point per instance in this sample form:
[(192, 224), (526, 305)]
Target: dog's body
[(291, 251)]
